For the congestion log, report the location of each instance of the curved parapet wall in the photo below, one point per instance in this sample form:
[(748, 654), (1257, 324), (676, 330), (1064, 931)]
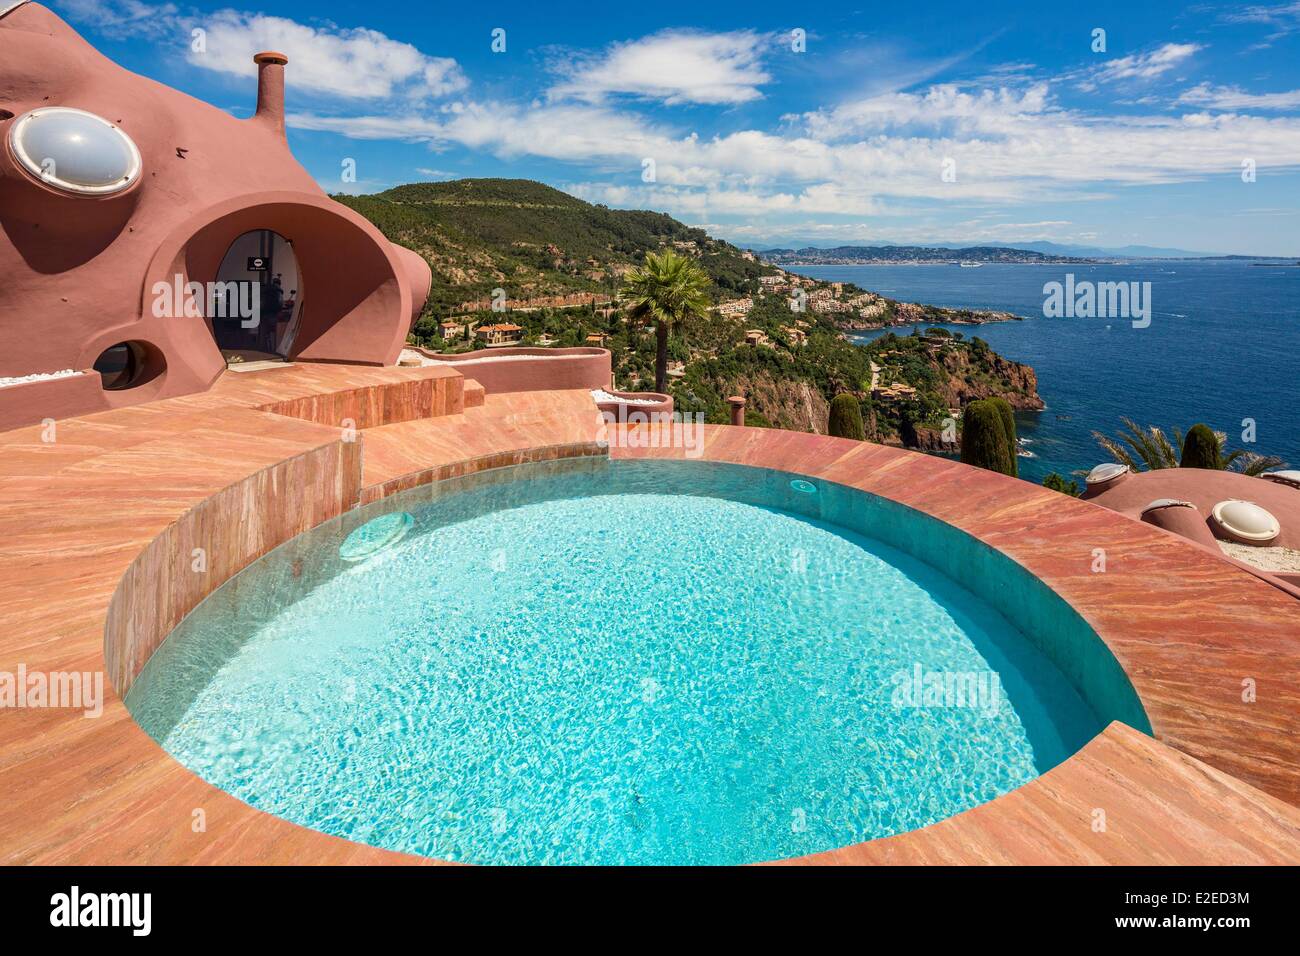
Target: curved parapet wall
[(526, 369), (161, 586), (79, 267), (623, 405), (1148, 780)]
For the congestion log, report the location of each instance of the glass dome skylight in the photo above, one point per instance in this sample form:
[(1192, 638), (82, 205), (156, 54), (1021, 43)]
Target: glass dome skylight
[(75, 151)]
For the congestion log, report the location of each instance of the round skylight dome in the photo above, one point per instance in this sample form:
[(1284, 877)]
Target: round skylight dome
[(1167, 503), (75, 151), (1246, 521), (1106, 472)]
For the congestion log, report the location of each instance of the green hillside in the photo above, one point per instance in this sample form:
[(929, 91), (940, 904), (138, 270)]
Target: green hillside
[(531, 240), (534, 242)]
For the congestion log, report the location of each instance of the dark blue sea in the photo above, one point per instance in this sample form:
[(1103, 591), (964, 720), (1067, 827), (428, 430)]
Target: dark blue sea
[(1223, 346)]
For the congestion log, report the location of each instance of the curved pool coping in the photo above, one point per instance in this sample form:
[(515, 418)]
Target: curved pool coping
[(101, 791)]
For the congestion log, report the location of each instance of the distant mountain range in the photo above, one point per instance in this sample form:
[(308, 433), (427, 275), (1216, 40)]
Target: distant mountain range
[(857, 255), (821, 253), (1119, 252)]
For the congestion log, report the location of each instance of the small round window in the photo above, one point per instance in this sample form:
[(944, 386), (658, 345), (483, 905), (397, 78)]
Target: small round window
[(120, 366), (75, 151)]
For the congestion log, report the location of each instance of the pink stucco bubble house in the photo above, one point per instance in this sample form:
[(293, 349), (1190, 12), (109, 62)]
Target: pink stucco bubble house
[(117, 191)]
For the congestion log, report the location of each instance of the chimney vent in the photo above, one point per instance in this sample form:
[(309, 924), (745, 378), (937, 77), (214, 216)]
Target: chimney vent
[(270, 88)]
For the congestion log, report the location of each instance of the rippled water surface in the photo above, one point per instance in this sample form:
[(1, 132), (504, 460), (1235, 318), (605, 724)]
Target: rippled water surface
[(607, 678)]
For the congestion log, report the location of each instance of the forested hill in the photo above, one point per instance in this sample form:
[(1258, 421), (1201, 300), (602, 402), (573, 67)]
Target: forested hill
[(532, 240)]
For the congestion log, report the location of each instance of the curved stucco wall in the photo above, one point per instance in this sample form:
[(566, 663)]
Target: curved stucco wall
[(527, 369)]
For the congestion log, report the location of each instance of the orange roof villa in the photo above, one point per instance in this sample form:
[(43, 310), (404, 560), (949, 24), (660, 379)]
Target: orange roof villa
[(365, 603)]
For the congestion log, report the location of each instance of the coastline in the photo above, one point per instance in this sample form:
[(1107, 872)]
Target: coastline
[(1093, 372)]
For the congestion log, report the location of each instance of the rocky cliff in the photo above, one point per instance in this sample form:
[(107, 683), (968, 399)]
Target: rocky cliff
[(972, 376), (785, 403)]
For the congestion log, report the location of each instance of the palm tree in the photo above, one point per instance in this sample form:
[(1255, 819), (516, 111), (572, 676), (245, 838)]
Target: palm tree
[(669, 290), (1151, 448)]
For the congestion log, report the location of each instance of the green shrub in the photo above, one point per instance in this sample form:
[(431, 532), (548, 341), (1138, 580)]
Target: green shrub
[(984, 438), (1200, 449), (1057, 483), (846, 417)]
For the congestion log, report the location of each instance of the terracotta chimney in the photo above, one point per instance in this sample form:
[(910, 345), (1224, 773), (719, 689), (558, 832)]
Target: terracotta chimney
[(737, 403), (270, 88)]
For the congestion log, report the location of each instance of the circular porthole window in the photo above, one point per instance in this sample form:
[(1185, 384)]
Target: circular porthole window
[(121, 365), (75, 151)]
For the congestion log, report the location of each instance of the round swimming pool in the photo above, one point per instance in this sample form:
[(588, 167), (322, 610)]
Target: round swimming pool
[(620, 662)]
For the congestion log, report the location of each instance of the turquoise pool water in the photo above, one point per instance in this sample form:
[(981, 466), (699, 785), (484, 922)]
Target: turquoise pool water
[(618, 663)]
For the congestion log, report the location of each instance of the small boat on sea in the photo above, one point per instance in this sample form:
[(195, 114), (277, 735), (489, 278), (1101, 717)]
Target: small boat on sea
[(970, 265)]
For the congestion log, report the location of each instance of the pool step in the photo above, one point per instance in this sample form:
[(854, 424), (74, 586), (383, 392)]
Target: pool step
[(349, 395), (504, 430)]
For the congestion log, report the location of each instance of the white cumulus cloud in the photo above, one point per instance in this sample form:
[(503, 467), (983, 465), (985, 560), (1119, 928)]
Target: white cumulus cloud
[(675, 66), (1235, 98), (1146, 66), (355, 63)]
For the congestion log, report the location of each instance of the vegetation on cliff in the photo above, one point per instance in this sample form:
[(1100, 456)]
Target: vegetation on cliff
[(1065, 486), (528, 239), (558, 264)]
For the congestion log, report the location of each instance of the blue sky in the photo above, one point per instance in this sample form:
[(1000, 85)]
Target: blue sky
[(712, 113)]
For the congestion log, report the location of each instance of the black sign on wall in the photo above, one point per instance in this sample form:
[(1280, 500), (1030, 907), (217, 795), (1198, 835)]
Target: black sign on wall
[(257, 263)]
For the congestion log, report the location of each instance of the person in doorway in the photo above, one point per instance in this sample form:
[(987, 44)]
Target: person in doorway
[(272, 300), (285, 317)]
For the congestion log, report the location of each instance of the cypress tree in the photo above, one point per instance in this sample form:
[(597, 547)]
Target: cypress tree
[(1008, 418), (984, 438), (846, 417), (1200, 449)]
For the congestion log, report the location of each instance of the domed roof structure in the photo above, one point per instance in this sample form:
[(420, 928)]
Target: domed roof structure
[(136, 218)]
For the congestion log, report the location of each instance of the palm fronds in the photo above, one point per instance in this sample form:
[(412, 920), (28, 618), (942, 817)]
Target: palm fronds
[(1147, 448), (1253, 464), (668, 290)]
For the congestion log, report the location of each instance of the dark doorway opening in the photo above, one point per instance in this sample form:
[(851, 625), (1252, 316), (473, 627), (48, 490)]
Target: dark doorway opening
[(258, 296)]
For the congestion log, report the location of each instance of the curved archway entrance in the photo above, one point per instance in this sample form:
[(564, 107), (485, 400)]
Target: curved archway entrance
[(258, 294), (362, 288)]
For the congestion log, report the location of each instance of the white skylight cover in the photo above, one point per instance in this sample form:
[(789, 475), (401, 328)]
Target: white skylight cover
[(75, 151)]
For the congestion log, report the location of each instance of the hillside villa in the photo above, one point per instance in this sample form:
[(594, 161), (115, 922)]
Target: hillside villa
[(499, 333)]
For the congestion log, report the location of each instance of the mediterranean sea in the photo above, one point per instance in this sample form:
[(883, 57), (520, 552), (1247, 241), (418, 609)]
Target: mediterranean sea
[(1223, 346)]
